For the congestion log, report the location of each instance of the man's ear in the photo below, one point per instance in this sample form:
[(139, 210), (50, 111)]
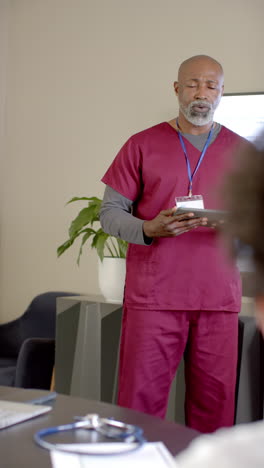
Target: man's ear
[(222, 91), (176, 87)]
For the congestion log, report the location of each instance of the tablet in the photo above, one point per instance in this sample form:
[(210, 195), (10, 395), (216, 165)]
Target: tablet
[(213, 216)]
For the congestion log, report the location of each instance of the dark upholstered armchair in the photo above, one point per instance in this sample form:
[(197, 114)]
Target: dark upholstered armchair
[(27, 344)]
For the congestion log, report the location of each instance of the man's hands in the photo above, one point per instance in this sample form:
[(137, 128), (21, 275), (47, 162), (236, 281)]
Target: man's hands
[(166, 224)]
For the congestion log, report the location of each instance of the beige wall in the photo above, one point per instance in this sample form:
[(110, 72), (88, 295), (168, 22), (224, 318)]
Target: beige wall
[(81, 77)]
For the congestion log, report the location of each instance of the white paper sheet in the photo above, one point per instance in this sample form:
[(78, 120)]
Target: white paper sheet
[(150, 455)]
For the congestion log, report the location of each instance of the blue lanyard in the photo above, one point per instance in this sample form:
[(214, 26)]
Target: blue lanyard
[(190, 174)]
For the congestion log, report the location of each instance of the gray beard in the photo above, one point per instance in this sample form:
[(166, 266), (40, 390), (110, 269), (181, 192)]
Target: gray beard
[(196, 118)]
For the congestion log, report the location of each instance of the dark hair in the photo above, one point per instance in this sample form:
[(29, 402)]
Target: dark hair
[(244, 196)]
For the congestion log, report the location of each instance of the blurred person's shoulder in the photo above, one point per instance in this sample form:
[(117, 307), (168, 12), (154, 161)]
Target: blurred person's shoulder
[(238, 447)]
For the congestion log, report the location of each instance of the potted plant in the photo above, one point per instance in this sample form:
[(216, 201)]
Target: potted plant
[(111, 250)]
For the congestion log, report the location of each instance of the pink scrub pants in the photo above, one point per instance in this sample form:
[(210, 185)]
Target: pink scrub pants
[(152, 345)]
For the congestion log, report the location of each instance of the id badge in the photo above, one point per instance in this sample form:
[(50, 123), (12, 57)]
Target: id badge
[(195, 201)]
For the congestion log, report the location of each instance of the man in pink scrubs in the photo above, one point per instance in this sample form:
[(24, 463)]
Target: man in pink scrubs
[(182, 294)]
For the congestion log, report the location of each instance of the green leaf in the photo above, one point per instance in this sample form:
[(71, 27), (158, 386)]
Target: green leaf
[(85, 217), (122, 247), (84, 239), (61, 249), (99, 242), (93, 199)]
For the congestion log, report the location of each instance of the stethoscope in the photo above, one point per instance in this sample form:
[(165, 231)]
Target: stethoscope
[(107, 427)]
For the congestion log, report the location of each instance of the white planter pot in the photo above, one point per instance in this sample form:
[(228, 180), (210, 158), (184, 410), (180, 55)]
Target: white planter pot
[(111, 276)]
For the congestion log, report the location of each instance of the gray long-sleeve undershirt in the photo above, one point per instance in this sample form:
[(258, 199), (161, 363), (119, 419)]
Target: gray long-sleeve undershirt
[(116, 212), (116, 218)]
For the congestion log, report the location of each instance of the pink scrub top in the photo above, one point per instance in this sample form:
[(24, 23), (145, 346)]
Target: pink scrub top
[(191, 271)]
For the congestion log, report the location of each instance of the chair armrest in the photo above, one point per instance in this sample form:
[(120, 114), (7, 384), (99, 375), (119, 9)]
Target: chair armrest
[(35, 363), (10, 338)]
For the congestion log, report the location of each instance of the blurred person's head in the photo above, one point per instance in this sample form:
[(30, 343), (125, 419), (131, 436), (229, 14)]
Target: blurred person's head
[(244, 193)]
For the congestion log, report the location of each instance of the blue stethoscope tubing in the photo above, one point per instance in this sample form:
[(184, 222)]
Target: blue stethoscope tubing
[(128, 433)]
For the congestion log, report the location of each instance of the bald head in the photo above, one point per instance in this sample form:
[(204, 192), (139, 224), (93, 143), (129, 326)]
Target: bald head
[(197, 62)]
